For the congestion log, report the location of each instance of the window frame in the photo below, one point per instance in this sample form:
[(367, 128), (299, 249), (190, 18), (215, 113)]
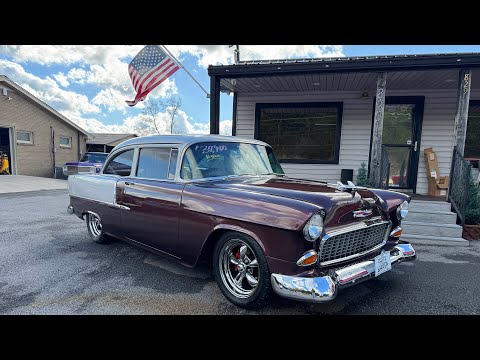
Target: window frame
[(65, 146), (138, 149), (338, 132), (23, 142), (114, 155), (472, 102)]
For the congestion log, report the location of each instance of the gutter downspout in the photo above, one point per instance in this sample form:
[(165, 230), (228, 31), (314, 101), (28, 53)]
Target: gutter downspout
[(52, 135), (78, 142)]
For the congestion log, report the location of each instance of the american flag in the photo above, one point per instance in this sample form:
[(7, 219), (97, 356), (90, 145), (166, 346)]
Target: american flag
[(149, 69)]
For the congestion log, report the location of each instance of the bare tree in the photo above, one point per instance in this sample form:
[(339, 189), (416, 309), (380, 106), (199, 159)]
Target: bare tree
[(171, 106), (153, 112), (150, 114)]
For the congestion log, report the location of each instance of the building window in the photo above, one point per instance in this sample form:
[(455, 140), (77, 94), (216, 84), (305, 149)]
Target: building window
[(301, 132), (65, 142), (25, 137), (472, 141)]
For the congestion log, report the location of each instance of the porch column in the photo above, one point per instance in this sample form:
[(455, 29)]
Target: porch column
[(214, 105), (463, 98), (376, 151)]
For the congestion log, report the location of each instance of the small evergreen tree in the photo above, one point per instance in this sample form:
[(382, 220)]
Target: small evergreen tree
[(472, 213), (362, 176)]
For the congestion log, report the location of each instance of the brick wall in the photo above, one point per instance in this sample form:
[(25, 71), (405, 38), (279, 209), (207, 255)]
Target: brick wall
[(36, 159)]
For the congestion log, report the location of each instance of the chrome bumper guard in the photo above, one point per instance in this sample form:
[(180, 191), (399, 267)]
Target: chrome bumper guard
[(325, 288)]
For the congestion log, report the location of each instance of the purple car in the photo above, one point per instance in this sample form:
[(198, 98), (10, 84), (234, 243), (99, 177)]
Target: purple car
[(91, 162)]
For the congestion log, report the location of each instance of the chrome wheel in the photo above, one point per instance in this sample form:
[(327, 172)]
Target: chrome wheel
[(94, 225), (238, 268)]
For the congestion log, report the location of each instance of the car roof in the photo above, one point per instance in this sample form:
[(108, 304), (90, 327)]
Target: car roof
[(184, 140)]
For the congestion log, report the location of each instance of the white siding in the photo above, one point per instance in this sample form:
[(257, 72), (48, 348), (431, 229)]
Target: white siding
[(437, 130)]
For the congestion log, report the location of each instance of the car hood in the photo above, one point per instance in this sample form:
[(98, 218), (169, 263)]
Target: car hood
[(339, 205)]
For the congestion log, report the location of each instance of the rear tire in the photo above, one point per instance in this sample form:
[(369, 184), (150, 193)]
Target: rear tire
[(241, 271), (95, 229)]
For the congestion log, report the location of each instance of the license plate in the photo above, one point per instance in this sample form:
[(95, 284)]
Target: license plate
[(382, 263)]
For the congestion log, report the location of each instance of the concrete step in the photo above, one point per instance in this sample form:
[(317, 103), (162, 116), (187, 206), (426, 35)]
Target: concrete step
[(419, 205), (442, 230), (436, 217), (435, 240)]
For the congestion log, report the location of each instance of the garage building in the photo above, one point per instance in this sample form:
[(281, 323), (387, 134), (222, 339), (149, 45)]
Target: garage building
[(36, 138)]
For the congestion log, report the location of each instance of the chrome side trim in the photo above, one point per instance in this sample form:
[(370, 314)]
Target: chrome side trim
[(114, 205), (325, 288), (356, 226)]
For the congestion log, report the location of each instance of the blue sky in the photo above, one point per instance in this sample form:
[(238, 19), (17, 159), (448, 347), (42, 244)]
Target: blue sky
[(89, 84)]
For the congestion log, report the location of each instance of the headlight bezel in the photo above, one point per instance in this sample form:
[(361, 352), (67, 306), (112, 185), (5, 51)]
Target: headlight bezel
[(314, 227), (402, 210)]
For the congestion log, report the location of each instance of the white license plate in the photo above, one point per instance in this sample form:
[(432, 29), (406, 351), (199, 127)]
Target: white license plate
[(382, 263)]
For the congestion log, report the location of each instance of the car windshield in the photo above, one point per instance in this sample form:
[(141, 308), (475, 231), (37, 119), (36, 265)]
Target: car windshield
[(94, 158), (212, 159)]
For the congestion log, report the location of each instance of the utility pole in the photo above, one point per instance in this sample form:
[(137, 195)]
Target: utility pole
[(236, 54)]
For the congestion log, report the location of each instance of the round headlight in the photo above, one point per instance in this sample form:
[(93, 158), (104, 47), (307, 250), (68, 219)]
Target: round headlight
[(313, 228), (402, 210)]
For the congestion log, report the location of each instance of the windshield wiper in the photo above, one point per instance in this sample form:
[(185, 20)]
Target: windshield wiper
[(273, 173)]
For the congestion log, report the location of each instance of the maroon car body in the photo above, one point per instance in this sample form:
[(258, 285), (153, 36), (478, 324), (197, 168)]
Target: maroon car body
[(184, 218)]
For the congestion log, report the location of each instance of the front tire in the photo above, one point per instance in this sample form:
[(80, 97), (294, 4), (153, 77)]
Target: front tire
[(95, 229), (241, 271)]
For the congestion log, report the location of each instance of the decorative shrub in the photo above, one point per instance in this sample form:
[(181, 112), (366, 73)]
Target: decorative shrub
[(472, 213), (362, 176)]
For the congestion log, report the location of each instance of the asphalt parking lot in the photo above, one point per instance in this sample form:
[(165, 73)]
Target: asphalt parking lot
[(48, 265)]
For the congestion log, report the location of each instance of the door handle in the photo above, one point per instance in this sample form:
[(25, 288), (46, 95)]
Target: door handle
[(129, 183)]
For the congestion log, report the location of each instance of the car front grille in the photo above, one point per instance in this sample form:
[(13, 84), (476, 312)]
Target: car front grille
[(342, 246), (78, 169)]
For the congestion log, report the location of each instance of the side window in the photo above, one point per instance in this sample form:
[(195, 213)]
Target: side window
[(153, 163), (120, 164)]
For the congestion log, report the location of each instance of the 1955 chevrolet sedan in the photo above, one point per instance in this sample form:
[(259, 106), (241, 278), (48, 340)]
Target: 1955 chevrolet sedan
[(228, 201)]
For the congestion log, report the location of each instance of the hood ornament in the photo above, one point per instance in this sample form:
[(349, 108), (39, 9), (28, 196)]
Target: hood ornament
[(349, 186)]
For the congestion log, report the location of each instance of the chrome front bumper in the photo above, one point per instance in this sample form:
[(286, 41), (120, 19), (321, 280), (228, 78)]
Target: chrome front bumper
[(325, 288)]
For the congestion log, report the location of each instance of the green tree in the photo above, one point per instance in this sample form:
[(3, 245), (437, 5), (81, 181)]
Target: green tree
[(362, 176), (472, 213)]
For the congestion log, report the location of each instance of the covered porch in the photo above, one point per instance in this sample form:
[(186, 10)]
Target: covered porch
[(323, 116)]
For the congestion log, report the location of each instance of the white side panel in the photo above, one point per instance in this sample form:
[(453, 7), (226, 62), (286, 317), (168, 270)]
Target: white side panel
[(93, 187), (437, 129)]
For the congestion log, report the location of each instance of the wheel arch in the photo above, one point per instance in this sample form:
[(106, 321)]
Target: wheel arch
[(216, 233)]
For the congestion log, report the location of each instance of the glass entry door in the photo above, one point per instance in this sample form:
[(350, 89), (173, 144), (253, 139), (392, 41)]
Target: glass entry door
[(401, 140)]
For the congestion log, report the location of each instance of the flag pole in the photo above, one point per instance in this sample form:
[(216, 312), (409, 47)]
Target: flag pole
[(184, 68)]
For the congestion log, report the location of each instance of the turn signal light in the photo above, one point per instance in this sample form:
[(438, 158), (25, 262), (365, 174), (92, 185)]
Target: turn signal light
[(309, 258), (396, 232)]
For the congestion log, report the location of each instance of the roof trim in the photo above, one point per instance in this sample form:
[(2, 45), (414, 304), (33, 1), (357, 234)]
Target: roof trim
[(42, 104), (346, 64), (120, 139)]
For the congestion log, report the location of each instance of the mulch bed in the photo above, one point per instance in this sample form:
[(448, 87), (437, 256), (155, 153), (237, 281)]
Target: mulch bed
[(471, 232)]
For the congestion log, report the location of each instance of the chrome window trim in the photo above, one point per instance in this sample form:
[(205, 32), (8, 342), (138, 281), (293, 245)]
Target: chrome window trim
[(357, 226), (136, 157)]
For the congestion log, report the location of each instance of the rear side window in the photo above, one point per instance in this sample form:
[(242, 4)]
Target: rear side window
[(153, 163), (121, 164)]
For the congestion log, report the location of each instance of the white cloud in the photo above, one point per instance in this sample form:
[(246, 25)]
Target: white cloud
[(222, 54), (47, 89), (61, 79)]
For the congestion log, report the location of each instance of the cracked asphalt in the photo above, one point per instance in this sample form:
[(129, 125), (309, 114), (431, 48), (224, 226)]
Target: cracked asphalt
[(48, 265)]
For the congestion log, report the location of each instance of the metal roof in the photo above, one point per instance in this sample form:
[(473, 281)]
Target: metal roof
[(346, 64), (40, 103), (185, 140), (108, 139)]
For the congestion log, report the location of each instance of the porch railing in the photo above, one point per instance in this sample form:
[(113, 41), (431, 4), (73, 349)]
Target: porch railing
[(460, 173), (384, 169)]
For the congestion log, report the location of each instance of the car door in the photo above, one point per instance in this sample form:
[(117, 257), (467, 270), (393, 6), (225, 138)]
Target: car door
[(153, 198)]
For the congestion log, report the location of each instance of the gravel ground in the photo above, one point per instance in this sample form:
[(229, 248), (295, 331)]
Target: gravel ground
[(48, 265)]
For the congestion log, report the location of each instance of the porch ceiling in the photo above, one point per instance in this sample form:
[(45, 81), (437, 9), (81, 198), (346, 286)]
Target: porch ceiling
[(358, 81)]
